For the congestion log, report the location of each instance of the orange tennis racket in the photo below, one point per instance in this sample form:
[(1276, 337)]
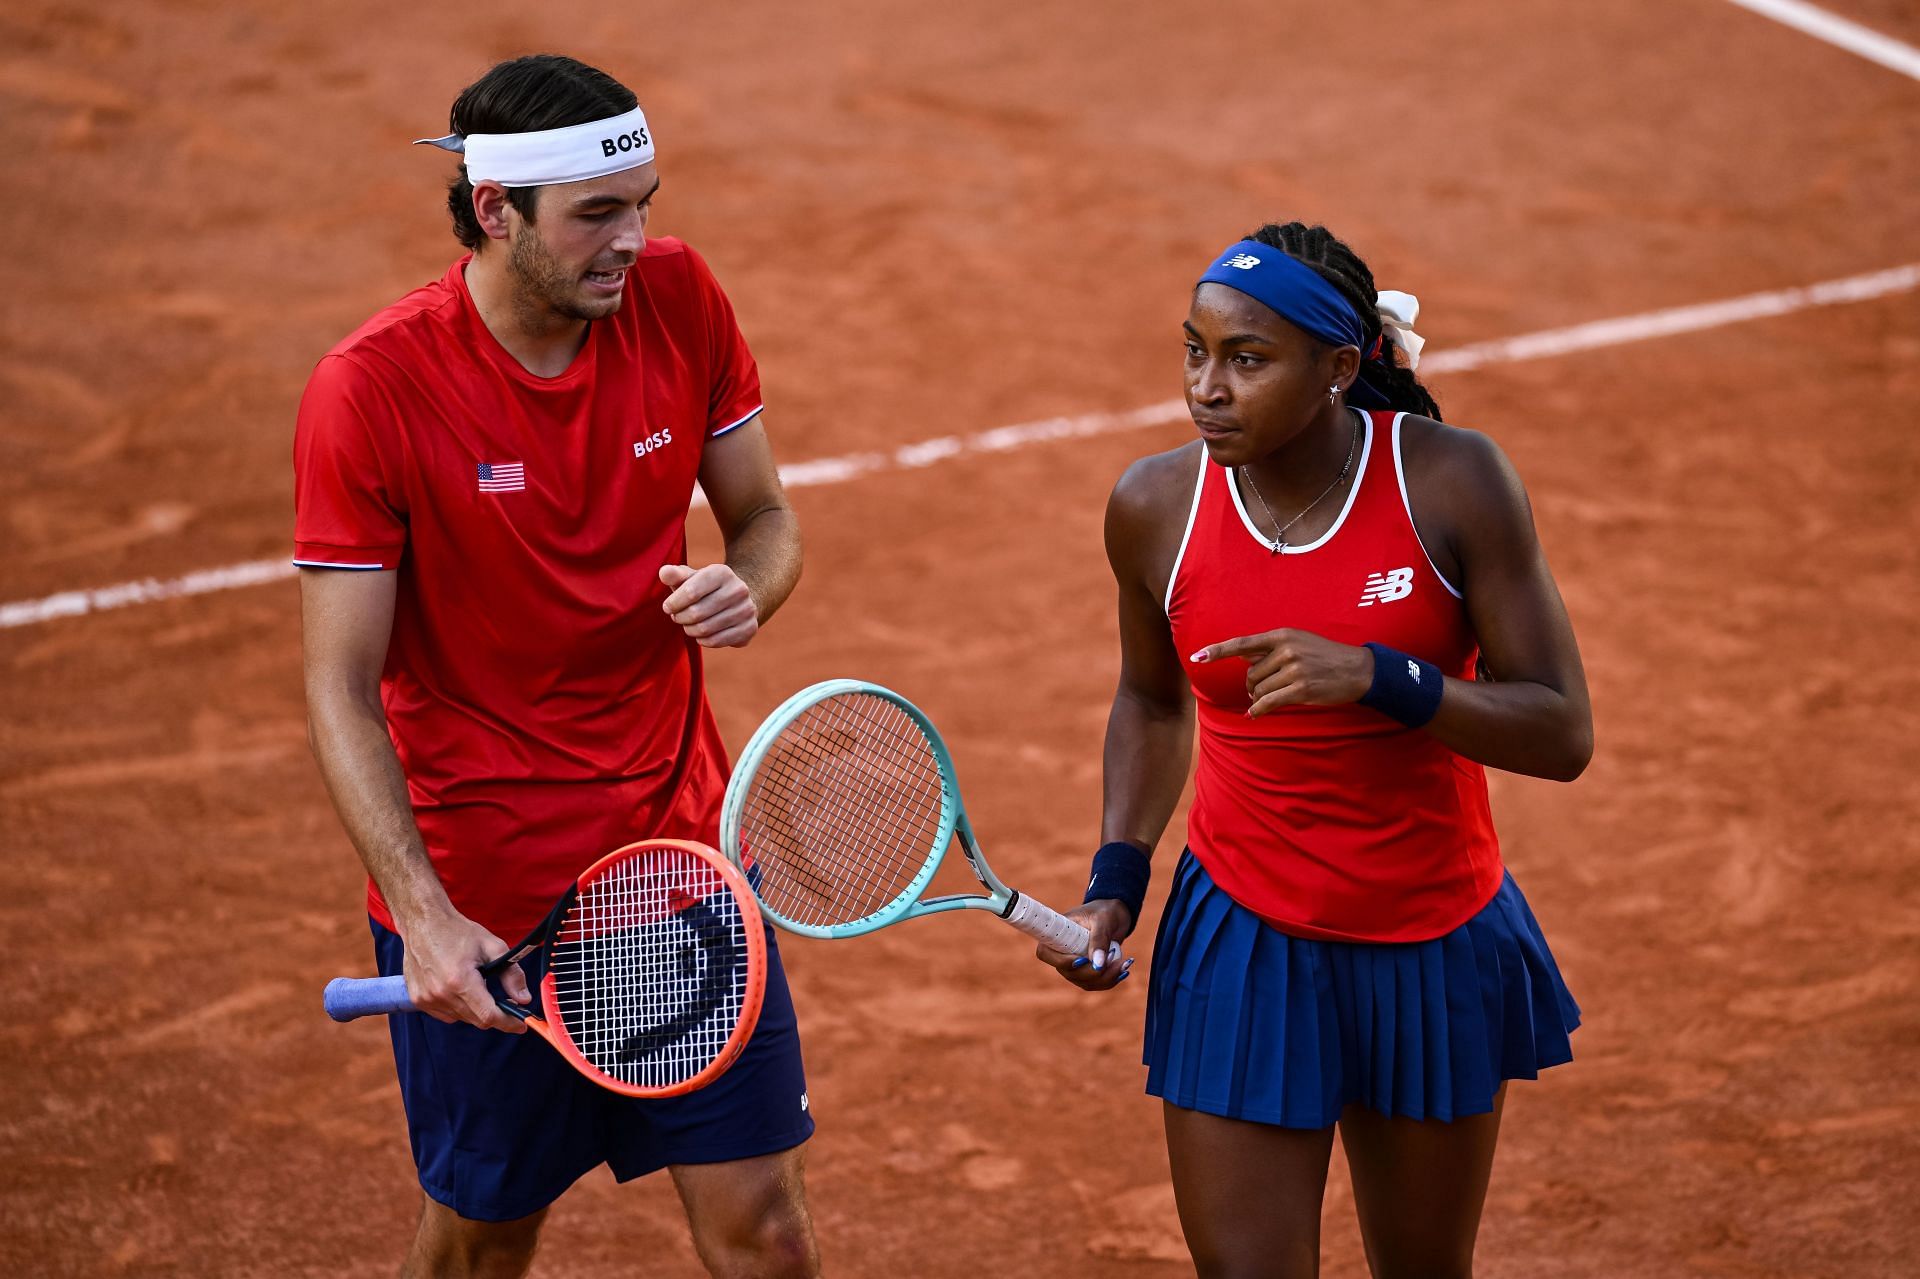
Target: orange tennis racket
[(655, 966)]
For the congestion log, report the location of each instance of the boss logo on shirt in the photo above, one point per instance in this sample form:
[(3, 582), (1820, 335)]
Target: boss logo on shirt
[(624, 142), (1385, 588), (658, 440)]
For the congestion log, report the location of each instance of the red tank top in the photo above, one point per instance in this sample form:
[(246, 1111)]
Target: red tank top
[(1330, 821)]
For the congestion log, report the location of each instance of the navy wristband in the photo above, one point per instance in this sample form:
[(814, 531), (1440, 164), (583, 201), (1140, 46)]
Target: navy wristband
[(1120, 873), (1404, 687)]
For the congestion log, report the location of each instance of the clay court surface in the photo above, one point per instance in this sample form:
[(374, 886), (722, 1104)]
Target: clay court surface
[(936, 220)]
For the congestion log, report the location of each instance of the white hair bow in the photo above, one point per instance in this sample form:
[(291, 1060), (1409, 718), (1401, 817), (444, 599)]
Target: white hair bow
[(1398, 311)]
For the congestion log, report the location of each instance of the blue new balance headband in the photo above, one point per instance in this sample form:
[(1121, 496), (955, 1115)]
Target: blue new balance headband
[(1298, 293), (1302, 297)]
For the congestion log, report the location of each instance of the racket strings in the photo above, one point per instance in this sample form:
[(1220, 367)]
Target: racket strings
[(650, 969), (843, 811)]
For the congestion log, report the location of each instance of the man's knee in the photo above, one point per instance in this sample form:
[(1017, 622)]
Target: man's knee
[(449, 1246), (779, 1246), (750, 1218)]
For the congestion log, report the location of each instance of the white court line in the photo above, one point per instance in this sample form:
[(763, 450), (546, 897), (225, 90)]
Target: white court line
[(837, 470), (1840, 32), (144, 591)]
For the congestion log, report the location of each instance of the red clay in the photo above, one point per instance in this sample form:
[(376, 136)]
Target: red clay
[(939, 219)]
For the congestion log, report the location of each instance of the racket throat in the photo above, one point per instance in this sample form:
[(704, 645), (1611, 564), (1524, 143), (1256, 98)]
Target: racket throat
[(975, 862)]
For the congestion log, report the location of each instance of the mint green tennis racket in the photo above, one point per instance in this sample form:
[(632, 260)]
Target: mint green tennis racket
[(841, 809)]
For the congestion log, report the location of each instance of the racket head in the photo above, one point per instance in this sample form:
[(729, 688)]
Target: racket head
[(841, 808), (656, 971)]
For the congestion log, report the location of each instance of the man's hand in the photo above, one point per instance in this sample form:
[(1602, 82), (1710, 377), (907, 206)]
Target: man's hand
[(1105, 965), (1296, 668), (443, 958), (711, 604)]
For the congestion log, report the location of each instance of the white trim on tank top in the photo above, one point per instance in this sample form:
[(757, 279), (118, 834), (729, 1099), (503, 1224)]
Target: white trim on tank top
[(1253, 530), (1406, 504), (1193, 512)]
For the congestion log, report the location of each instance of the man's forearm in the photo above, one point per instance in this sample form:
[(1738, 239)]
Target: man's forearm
[(369, 792), (765, 553)]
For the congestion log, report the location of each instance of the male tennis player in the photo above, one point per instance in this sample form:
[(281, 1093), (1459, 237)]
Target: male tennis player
[(502, 646)]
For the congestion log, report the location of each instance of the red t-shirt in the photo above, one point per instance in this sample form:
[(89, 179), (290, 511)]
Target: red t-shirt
[(1330, 821), (545, 710)]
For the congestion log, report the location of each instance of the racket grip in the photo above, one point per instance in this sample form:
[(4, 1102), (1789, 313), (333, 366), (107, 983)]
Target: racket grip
[(1043, 923), (349, 997)]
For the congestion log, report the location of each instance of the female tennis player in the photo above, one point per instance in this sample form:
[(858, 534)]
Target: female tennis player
[(1353, 596)]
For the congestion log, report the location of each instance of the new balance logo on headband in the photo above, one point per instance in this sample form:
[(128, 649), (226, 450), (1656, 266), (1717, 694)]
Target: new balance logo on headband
[(1245, 261), (1385, 588)]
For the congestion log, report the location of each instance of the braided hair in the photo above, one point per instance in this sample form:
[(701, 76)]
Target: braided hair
[(1341, 267)]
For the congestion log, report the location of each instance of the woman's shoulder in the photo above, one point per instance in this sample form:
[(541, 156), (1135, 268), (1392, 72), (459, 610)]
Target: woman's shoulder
[(1462, 491), (1439, 459), (1149, 508), (1160, 482)]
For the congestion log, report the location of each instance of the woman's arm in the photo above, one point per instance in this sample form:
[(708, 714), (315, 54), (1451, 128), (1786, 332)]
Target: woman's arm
[(1150, 728), (1533, 716)]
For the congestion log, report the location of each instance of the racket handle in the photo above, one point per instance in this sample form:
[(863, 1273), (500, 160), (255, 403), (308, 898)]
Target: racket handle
[(1043, 923), (349, 997)]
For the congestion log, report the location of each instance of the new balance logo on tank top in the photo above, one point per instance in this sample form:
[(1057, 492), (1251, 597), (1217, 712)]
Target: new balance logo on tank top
[(1330, 821)]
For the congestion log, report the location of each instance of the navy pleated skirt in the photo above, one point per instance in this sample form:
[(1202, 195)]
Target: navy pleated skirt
[(1248, 1022)]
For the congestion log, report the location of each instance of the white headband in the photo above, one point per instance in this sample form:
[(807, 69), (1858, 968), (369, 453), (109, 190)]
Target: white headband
[(572, 154)]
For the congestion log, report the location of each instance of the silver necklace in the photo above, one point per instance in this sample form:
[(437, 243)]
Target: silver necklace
[(1279, 542)]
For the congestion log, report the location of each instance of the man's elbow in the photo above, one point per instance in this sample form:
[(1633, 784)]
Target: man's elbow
[(333, 708)]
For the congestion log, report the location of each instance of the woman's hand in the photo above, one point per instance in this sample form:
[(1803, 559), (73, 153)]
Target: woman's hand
[(1105, 965), (1296, 668)]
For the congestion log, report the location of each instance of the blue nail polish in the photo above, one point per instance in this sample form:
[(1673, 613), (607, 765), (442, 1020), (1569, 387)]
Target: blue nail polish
[(1080, 962), (1123, 976)]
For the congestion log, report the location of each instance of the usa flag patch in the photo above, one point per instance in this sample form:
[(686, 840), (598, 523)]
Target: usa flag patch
[(503, 477)]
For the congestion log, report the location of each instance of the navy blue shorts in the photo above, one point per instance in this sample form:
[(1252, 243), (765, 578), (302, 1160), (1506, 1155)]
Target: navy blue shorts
[(501, 1125), (1247, 1022)]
